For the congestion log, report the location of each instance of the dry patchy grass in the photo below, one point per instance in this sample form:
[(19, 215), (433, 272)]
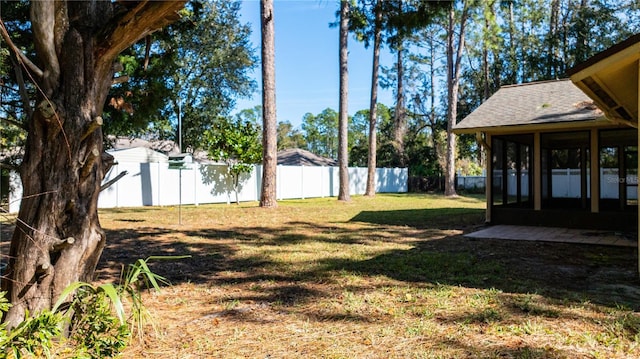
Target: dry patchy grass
[(389, 277), (384, 277)]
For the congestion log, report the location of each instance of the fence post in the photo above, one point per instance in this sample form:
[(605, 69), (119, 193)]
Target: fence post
[(278, 183), (302, 181), (117, 189), (258, 176), (159, 193), (322, 182), (196, 169), (568, 182)]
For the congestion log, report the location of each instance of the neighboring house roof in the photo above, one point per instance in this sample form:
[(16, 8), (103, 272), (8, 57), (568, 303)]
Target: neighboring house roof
[(138, 150), (536, 103), (298, 157), (138, 155), (165, 146)]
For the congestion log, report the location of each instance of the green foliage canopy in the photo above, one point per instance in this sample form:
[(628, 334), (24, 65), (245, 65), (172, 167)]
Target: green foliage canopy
[(197, 68), (235, 142)]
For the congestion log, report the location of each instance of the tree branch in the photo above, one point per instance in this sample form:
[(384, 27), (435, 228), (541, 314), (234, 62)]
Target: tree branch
[(89, 162), (61, 24), (107, 162), (18, 124), (146, 52), (60, 244), (140, 21), (24, 96), (43, 21), (120, 79), (91, 127), (113, 180), (22, 58), (9, 166), (461, 40)]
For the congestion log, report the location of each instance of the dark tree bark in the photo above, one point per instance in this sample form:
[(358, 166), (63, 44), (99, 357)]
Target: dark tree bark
[(343, 119), (400, 115), (58, 238), (512, 75), (553, 43), (452, 86), (270, 124), (454, 58), (373, 119), (582, 33)]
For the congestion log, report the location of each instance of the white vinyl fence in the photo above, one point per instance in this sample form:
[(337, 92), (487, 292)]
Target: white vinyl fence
[(155, 184), (565, 183)]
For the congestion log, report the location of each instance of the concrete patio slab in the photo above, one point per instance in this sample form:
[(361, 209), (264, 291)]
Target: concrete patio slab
[(554, 234)]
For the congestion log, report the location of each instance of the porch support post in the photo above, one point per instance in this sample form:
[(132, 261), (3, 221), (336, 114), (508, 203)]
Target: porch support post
[(488, 177), (638, 187), (537, 172), (595, 172)]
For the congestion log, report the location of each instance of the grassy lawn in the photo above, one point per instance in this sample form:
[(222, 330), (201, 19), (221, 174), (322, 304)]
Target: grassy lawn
[(388, 277)]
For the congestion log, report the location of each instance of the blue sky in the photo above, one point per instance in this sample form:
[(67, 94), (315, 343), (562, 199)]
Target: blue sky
[(307, 60)]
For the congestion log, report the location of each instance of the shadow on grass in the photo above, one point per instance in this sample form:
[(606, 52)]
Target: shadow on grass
[(600, 274), (424, 218), (500, 351), (209, 255), (429, 257)]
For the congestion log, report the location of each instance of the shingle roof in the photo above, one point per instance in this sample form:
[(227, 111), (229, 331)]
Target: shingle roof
[(547, 102), (164, 146), (298, 157), (138, 155)]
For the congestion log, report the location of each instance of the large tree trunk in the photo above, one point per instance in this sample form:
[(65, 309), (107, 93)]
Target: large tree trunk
[(450, 169), (343, 157), (512, 76), (552, 70), (400, 115), (58, 239), (270, 126), (486, 76), (373, 120), (583, 32), (454, 58)]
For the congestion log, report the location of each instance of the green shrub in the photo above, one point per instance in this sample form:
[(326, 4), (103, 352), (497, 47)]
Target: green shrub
[(95, 332), (33, 336), (94, 318)]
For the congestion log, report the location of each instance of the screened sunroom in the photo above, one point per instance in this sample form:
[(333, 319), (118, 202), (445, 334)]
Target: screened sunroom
[(544, 141)]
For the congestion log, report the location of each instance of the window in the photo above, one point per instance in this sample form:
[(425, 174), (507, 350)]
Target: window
[(497, 169), (565, 169), (618, 157), (511, 163), (631, 175)]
